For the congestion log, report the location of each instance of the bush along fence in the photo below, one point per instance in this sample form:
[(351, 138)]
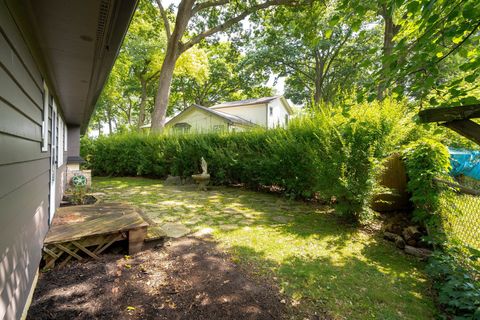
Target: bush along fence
[(334, 154), (451, 214)]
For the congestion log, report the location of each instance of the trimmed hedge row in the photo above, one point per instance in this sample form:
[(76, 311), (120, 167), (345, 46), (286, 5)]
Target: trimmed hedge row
[(331, 155)]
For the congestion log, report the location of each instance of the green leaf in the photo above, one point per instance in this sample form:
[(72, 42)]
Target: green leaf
[(471, 78), (457, 40), (356, 25), (328, 33), (334, 20), (413, 6), (469, 11)]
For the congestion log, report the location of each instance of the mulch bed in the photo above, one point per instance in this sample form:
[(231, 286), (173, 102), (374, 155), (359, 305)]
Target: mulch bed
[(187, 278)]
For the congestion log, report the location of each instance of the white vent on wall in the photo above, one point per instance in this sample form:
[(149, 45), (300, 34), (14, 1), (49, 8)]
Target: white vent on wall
[(102, 19), (61, 136)]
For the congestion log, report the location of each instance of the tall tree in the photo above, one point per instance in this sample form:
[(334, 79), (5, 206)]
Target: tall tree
[(144, 48), (205, 19), (425, 43), (230, 78), (319, 59)]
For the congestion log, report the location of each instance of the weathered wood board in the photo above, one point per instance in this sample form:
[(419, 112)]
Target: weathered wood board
[(76, 222), (91, 229)]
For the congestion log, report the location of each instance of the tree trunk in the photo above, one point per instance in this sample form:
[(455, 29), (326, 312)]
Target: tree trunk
[(109, 121), (174, 49), (163, 92), (319, 77), (143, 101), (390, 31)]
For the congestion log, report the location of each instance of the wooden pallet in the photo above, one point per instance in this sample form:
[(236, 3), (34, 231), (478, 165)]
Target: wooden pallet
[(80, 232)]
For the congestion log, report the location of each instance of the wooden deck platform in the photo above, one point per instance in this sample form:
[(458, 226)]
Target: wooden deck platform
[(80, 231)]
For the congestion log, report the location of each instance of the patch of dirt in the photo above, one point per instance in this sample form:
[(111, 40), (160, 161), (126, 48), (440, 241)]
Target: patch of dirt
[(188, 278)]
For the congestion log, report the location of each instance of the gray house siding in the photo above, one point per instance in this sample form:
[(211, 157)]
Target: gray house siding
[(24, 169)]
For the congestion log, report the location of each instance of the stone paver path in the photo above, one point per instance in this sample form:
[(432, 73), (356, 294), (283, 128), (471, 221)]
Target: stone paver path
[(183, 210)]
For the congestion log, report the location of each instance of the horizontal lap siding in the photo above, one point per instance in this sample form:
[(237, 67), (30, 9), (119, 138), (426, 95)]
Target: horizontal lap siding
[(24, 169)]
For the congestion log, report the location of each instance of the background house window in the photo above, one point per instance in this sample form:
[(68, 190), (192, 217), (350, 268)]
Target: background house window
[(271, 111), (182, 127), (218, 127)]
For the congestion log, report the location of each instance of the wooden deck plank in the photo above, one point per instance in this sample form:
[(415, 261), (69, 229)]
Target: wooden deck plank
[(74, 223)]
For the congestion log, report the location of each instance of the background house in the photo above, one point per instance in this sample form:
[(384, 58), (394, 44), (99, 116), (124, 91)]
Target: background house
[(197, 118), (54, 59), (267, 112)]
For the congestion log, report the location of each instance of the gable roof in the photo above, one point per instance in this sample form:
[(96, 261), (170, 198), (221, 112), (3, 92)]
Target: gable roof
[(245, 102), (249, 102), (228, 117)]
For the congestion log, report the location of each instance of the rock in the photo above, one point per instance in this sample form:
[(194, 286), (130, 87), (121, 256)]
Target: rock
[(393, 227), (228, 227), (399, 242), (175, 230), (173, 181), (412, 235), (188, 181), (281, 219), (418, 252), (203, 232)]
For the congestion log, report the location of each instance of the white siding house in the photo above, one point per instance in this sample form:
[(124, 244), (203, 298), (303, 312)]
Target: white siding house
[(200, 119), (267, 112), (54, 59)]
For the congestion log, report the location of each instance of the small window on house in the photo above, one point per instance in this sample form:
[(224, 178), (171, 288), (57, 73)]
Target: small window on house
[(286, 119), (182, 127), (271, 111), (45, 118), (218, 127)]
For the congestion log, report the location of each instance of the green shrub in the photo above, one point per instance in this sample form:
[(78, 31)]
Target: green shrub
[(458, 290), (451, 269), (426, 159), (331, 154)]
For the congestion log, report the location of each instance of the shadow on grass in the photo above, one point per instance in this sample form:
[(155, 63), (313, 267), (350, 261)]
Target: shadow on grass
[(315, 257), (350, 288), (190, 279)]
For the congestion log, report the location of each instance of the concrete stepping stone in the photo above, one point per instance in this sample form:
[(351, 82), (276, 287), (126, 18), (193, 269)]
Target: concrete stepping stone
[(228, 227), (175, 230), (203, 232), (281, 219), (154, 232)]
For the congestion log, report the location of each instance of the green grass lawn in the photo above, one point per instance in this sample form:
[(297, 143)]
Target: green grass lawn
[(319, 262)]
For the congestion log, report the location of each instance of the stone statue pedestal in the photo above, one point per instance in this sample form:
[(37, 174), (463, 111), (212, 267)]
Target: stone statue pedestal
[(202, 180)]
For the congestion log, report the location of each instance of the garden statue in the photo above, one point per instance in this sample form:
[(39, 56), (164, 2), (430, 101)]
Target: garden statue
[(203, 178), (203, 164)]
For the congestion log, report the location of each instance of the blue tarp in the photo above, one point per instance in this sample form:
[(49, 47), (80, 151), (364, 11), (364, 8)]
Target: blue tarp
[(465, 162)]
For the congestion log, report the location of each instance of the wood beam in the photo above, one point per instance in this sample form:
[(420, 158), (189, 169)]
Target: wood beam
[(466, 128), (450, 113)]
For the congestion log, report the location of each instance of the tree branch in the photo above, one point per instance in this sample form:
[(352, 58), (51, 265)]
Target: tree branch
[(163, 13), (230, 22), (460, 43), (337, 51), (208, 4)]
